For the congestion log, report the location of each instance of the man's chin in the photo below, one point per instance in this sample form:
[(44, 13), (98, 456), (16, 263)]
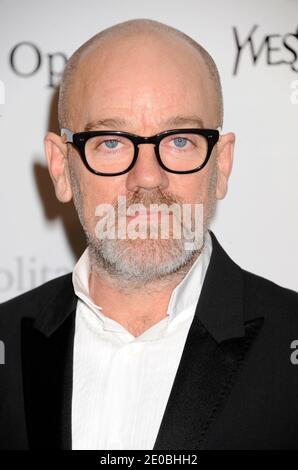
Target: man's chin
[(140, 259)]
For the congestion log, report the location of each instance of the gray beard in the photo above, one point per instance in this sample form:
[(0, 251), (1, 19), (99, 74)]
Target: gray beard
[(132, 264), (136, 263)]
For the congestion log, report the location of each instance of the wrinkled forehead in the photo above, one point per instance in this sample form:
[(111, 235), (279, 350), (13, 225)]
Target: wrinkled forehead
[(141, 78)]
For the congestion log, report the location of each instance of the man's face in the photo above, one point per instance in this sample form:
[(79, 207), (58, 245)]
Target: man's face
[(146, 83)]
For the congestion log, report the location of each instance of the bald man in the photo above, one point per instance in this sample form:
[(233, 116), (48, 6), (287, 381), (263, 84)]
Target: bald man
[(157, 339)]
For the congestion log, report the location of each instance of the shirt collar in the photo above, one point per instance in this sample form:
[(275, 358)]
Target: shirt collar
[(221, 307), (184, 296)]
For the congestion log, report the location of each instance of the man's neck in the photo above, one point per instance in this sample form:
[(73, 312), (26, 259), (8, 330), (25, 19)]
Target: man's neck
[(135, 307)]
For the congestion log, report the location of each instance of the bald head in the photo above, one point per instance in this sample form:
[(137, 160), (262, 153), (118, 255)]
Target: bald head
[(133, 30)]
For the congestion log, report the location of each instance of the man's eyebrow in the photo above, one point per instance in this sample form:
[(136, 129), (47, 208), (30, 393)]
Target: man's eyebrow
[(108, 122), (181, 119), (176, 121)]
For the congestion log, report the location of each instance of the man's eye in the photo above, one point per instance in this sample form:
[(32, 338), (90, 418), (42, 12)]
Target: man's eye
[(111, 144), (180, 142)]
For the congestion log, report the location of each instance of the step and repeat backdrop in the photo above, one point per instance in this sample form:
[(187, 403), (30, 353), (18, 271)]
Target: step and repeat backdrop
[(255, 45)]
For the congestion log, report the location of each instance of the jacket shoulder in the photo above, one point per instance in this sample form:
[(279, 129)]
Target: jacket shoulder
[(267, 298), (32, 301)]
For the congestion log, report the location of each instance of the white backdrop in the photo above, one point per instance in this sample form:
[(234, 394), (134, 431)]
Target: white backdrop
[(257, 223)]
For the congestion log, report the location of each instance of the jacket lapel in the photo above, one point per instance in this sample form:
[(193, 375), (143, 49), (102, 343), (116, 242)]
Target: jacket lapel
[(47, 346), (203, 383), (216, 347)]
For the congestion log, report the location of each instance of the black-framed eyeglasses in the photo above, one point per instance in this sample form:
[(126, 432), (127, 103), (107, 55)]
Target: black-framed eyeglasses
[(113, 153)]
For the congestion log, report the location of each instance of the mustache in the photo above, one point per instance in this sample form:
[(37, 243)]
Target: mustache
[(150, 197)]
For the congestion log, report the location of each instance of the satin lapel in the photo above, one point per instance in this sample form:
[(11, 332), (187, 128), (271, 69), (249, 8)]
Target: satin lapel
[(47, 379), (203, 383)]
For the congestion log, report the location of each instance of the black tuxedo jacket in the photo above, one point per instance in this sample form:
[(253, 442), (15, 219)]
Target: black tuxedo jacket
[(236, 386)]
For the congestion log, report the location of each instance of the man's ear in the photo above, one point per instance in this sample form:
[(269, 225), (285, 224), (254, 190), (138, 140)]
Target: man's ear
[(225, 155), (56, 153)]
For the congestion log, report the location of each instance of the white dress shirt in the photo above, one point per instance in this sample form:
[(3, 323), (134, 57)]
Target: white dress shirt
[(121, 383)]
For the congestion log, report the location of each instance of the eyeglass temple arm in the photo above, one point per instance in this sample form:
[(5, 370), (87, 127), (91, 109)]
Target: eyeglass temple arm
[(68, 134)]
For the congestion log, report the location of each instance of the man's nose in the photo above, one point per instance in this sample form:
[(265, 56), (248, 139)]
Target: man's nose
[(147, 173)]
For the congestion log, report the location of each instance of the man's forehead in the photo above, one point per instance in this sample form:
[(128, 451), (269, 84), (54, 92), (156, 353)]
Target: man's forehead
[(162, 102), (117, 122), (132, 114)]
